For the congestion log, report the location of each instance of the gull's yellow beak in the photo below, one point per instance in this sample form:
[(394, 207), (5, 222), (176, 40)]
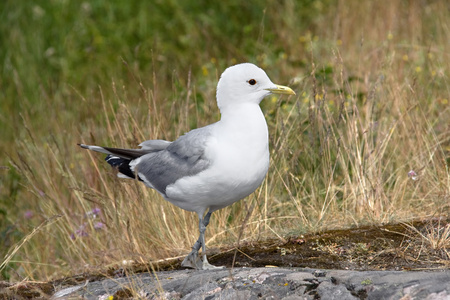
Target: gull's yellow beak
[(280, 89)]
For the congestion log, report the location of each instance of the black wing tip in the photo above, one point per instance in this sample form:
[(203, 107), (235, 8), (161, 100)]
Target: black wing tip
[(122, 165), (115, 161)]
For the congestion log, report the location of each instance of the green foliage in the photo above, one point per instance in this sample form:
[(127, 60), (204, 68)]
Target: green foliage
[(56, 52)]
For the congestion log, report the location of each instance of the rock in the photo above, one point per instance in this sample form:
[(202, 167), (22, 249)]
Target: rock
[(267, 283), (328, 290)]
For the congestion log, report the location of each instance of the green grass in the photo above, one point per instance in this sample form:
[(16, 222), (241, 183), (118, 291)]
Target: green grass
[(372, 82)]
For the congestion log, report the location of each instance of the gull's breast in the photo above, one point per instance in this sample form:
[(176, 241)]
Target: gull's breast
[(239, 156)]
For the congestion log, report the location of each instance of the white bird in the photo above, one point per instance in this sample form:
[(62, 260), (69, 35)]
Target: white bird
[(211, 167)]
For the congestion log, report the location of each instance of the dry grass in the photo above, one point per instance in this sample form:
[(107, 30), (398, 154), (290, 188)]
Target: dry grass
[(433, 239), (372, 104)]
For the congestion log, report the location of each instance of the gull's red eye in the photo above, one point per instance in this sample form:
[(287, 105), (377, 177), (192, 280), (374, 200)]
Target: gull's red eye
[(252, 81)]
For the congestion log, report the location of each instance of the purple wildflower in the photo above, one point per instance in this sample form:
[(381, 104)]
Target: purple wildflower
[(79, 232), (99, 225), (28, 214), (412, 174), (94, 213)]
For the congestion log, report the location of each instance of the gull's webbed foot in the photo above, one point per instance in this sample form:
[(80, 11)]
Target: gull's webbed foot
[(192, 261), (207, 266)]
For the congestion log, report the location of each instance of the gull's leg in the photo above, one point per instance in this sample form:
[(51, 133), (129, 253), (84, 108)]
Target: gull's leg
[(192, 260), (205, 222), (206, 265)]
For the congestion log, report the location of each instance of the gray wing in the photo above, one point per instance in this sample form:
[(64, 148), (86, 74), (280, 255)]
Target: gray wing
[(154, 145), (183, 157)]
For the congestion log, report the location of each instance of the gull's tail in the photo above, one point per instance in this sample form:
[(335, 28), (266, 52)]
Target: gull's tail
[(119, 159)]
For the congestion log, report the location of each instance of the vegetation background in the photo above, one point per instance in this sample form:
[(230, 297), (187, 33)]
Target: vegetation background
[(365, 141)]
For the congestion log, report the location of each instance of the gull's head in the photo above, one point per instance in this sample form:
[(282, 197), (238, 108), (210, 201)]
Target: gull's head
[(246, 83)]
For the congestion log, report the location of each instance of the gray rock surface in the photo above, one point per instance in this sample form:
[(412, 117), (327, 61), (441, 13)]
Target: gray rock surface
[(267, 283)]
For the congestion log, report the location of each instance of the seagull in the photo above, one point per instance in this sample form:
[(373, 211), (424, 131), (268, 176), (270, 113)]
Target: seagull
[(211, 167)]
